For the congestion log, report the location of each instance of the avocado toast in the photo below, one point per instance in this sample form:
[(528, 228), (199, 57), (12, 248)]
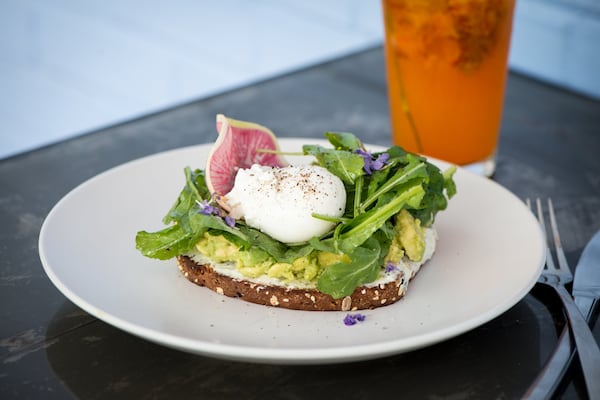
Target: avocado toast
[(373, 247)]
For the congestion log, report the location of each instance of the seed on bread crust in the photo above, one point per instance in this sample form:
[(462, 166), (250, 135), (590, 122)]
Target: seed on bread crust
[(347, 303), (364, 297)]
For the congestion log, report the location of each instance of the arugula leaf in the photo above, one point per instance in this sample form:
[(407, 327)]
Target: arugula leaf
[(449, 183), (279, 251), (415, 169), (165, 244), (345, 165), (198, 222), (180, 238), (357, 200), (387, 232), (365, 225), (194, 190), (435, 200), (340, 279), (326, 245), (187, 223), (378, 177), (344, 141), (399, 155)]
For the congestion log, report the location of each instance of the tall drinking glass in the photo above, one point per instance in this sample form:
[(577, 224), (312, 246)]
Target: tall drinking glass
[(446, 63)]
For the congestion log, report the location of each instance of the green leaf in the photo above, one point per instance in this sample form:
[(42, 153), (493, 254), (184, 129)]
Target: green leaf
[(435, 199), (180, 238), (344, 164), (397, 154), (279, 251), (165, 244), (358, 190), (193, 191), (449, 183), (340, 279), (415, 169), (377, 178), (365, 225), (327, 245), (199, 222), (344, 141)]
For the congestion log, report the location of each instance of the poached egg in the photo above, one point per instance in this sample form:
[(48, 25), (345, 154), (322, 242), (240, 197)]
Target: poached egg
[(281, 201)]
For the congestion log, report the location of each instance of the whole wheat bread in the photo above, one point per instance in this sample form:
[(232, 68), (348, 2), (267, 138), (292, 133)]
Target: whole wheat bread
[(363, 297)]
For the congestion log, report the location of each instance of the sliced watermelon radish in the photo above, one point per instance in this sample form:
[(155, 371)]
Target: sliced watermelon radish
[(238, 146)]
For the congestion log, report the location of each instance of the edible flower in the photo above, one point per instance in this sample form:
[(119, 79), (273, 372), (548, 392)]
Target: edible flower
[(230, 221), (390, 267), (352, 319), (371, 163), (208, 209)]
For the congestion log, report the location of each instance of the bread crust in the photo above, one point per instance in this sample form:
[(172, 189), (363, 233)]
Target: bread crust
[(363, 297)]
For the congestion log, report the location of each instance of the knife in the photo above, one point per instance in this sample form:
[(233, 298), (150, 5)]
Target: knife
[(586, 285), (586, 292)]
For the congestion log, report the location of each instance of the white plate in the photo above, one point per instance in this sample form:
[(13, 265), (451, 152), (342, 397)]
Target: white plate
[(489, 255)]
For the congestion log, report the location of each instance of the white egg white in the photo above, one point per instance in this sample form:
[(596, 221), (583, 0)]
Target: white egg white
[(281, 201)]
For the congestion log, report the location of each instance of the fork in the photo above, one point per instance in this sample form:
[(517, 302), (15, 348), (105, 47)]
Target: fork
[(557, 278)]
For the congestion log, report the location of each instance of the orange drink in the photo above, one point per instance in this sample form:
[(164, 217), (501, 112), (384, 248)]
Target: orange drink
[(446, 63)]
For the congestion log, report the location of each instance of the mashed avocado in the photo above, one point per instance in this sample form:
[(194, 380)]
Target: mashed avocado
[(217, 248), (409, 241)]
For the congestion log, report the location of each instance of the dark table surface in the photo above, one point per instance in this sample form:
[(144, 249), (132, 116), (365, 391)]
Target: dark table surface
[(49, 348)]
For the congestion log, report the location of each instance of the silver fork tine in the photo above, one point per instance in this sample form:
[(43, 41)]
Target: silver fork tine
[(589, 353), (560, 254), (541, 220), (549, 378)]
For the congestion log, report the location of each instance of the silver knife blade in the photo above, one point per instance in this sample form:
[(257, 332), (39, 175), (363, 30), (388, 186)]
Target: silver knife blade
[(586, 291), (587, 277)]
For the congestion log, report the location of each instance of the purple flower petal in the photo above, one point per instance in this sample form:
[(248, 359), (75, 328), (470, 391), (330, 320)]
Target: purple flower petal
[(367, 160), (389, 267), (371, 165), (230, 221), (349, 320), (208, 209), (363, 153), (205, 208), (379, 163), (352, 319)]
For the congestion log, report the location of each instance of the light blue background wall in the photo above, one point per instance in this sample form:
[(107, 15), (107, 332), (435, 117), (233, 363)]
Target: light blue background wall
[(72, 66)]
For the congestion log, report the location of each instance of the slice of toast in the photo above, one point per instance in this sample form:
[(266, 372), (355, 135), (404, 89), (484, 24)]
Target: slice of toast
[(390, 288)]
